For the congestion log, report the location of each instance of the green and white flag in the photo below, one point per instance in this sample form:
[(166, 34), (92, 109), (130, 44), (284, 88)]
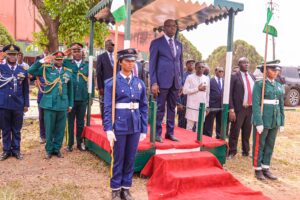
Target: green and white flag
[(270, 23), (118, 10)]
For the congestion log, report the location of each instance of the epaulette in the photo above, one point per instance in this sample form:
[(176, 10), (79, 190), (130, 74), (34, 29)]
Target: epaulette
[(66, 68)]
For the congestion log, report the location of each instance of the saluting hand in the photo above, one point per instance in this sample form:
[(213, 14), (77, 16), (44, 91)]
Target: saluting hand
[(2, 56), (49, 59), (68, 52)]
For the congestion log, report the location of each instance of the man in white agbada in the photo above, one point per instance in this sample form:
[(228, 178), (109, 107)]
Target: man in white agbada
[(196, 87)]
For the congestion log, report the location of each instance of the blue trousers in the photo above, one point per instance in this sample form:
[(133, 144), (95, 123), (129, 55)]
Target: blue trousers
[(125, 149), (11, 130), (168, 96), (41, 123)]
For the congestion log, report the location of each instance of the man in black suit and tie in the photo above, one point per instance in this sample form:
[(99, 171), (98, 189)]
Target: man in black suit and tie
[(166, 72), (215, 101), (240, 107), (104, 68)]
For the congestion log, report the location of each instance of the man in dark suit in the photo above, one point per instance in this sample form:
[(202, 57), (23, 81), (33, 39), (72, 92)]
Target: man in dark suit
[(215, 101), (104, 68), (166, 71), (240, 107)]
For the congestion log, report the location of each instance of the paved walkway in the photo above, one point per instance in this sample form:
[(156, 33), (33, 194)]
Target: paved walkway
[(33, 112)]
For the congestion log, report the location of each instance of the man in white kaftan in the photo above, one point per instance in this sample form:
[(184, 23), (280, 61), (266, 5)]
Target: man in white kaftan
[(196, 87)]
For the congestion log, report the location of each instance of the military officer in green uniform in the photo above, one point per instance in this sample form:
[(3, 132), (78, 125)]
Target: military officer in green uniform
[(57, 99), (80, 70), (267, 123)]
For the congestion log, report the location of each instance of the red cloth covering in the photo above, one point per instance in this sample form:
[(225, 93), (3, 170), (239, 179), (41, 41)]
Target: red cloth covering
[(97, 135), (193, 176), (188, 140)]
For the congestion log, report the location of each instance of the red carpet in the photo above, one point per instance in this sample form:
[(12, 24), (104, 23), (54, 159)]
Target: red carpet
[(188, 139), (193, 176)]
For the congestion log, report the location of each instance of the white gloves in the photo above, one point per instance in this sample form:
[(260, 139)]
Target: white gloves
[(281, 129), (143, 136), (260, 129), (111, 137)]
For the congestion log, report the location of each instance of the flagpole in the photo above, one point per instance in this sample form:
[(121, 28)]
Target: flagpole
[(114, 75), (265, 69), (257, 134)]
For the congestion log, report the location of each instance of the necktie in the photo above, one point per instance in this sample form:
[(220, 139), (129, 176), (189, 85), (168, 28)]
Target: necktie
[(219, 83), (128, 79), (171, 47), (248, 89), (12, 68), (111, 59)]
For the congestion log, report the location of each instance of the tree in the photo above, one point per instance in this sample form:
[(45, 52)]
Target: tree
[(64, 22), (241, 49), (5, 37), (189, 50)]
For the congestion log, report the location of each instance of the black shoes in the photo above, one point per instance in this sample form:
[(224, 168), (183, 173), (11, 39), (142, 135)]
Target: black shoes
[(69, 149), (59, 155), (18, 156), (125, 195), (48, 156), (116, 195), (245, 154), (42, 140), (4, 156), (171, 137), (231, 156), (81, 147), (268, 174), (158, 139), (259, 175)]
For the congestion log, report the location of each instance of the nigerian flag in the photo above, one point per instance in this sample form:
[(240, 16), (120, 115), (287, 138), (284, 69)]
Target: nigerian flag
[(271, 28), (118, 10)]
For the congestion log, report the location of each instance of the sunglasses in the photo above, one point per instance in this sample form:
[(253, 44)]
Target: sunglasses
[(221, 71)]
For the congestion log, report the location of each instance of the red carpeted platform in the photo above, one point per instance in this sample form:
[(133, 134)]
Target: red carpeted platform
[(193, 176), (188, 139)]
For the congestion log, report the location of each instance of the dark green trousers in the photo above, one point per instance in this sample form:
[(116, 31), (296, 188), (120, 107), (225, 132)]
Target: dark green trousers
[(263, 147), (78, 112), (55, 124)]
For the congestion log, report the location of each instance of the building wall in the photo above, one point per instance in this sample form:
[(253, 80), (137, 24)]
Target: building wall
[(18, 16)]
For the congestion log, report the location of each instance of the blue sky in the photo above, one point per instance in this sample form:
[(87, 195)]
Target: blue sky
[(249, 25)]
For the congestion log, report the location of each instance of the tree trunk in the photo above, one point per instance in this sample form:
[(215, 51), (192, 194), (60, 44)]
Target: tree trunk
[(51, 25)]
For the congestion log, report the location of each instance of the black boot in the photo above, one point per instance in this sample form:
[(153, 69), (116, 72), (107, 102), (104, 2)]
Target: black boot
[(268, 174), (116, 195), (125, 194), (259, 175)]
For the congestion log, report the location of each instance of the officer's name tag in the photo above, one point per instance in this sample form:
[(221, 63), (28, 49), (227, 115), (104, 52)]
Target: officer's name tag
[(52, 73)]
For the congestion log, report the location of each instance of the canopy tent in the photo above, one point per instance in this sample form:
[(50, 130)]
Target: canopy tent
[(148, 16)]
